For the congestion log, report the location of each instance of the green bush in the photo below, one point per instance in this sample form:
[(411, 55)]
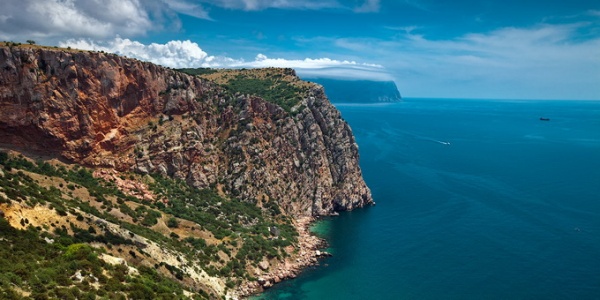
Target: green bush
[(278, 92), (172, 223), (151, 218)]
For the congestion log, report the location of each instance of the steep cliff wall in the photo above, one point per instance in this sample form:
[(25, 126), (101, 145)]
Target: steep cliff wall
[(103, 110)]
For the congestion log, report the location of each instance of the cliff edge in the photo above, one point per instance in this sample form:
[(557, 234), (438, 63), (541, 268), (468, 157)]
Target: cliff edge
[(103, 110)]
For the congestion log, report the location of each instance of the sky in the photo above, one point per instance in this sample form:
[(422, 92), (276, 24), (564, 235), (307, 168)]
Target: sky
[(510, 49)]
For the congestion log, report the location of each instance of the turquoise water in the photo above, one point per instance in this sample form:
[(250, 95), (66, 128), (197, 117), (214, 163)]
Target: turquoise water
[(510, 209)]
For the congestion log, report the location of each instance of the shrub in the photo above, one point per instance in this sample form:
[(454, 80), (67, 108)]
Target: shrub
[(80, 252), (172, 223)]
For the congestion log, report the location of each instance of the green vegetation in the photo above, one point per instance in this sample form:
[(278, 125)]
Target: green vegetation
[(63, 270), (173, 223), (97, 188), (241, 233), (278, 86), (228, 218), (281, 93)]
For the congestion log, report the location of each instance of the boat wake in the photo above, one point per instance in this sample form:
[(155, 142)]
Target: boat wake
[(396, 133)]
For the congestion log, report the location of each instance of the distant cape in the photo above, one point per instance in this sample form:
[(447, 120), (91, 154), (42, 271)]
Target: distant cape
[(358, 91)]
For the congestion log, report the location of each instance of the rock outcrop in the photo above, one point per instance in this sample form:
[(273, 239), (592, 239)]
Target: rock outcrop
[(102, 110)]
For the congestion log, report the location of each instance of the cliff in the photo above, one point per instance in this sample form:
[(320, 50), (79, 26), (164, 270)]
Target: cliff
[(105, 111), (192, 186), (359, 91)]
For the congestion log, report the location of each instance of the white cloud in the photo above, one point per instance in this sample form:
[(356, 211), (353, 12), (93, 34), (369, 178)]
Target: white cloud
[(546, 61), (405, 29), (262, 61), (78, 18), (198, 8), (188, 8), (282, 4), (187, 54), (177, 54), (368, 6), (322, 67), (51, 20)]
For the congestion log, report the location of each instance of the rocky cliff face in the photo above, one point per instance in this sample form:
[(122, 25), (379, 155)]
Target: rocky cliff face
[(102, 110)]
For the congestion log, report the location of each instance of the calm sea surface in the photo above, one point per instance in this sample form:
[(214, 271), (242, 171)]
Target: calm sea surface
[(476, 199)]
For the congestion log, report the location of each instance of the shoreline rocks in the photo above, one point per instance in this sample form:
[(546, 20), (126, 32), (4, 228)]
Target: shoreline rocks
[(308, 254)]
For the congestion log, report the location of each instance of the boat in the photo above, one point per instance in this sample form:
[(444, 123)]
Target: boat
[(544, 119)]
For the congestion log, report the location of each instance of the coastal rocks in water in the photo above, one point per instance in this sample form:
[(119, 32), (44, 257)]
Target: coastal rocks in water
[(265, 283), (308, 255), (320, 253)]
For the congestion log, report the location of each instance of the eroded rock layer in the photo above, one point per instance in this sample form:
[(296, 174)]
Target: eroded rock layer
[(102, 110)]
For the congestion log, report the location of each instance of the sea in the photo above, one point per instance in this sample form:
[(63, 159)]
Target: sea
[(476, 199)]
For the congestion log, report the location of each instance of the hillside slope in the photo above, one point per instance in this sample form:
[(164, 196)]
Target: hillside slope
[(205, 184)]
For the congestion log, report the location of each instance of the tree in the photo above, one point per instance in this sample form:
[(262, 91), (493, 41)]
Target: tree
[(31, 42)]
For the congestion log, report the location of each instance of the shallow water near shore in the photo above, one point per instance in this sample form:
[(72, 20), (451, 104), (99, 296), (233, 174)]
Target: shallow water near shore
[(475, 199)]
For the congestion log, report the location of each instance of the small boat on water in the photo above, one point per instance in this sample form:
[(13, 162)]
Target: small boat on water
[(544, 119)]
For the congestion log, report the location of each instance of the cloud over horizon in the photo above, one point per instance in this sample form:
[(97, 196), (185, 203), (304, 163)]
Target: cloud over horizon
[(429, 48), (507, 62), (510, 62), (188, 54), (543, 57)]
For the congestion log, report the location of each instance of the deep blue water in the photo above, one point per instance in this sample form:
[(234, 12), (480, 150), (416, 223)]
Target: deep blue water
[(509, 210)]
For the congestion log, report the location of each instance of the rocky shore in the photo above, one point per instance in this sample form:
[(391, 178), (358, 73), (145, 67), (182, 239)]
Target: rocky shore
[(307, 253)]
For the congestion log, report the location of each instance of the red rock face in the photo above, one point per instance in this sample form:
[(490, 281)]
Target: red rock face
[(102, 110)]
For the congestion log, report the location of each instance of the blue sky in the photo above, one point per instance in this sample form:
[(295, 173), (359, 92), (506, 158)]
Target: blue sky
[(453, 49)]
